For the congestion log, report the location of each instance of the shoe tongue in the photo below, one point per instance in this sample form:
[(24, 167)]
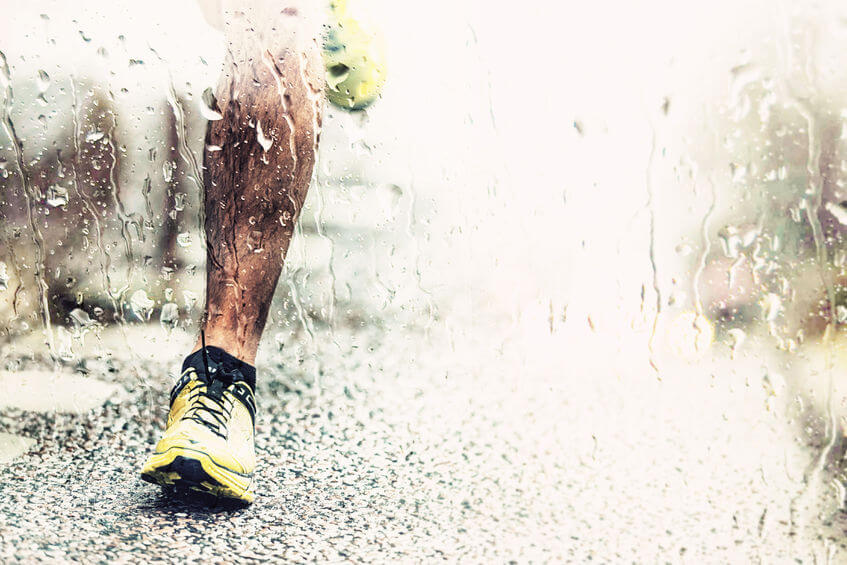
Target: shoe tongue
[(220, 363)]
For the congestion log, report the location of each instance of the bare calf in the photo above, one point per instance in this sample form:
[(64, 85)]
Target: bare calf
[(258, 163)]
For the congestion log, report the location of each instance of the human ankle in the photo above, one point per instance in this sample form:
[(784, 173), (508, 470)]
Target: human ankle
[(238, 348)]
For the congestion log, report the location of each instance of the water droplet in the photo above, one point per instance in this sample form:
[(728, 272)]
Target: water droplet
[(254, 242), (208, 106), (184, 239), (141, 305), (730, 241), (4, 276), (280, 340), (213, 148), (65, 346), (190, 299), (42, 82), (169, 317), (737, 337), (179, 201), (80, 318), (168, 168), (57, 195), (739, 172), (336, 74), (580, 129), (94, 135), (837, 210), (265, 142), (771, 306)]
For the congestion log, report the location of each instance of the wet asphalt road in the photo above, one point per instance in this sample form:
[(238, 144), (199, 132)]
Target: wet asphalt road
[(385, 444)]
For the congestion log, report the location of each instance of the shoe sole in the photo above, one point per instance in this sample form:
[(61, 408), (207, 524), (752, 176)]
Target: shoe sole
[(197, 471)]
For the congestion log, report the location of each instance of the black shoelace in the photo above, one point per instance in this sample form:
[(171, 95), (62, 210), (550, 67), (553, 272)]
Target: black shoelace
[(209, 407)]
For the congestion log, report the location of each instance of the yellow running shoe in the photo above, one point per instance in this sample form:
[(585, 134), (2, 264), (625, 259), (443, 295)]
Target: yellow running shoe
[(208, 443)]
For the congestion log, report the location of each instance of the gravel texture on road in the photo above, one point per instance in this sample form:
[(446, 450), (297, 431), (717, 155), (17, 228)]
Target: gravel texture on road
[(385, 444)]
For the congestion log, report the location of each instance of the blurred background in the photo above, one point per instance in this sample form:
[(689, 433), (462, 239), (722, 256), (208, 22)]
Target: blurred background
[(626, 220)]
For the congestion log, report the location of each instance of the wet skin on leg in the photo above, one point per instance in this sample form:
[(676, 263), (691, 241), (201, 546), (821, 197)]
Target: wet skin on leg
[(258, 163), (253, 193)]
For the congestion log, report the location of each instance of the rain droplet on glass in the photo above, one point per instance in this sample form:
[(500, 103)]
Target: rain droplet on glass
[(208, 106), (169, 316), (184, 239), (141, 304), (265, 142)]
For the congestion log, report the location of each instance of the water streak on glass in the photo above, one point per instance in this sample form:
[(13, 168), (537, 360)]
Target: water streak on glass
[(31, 195)]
